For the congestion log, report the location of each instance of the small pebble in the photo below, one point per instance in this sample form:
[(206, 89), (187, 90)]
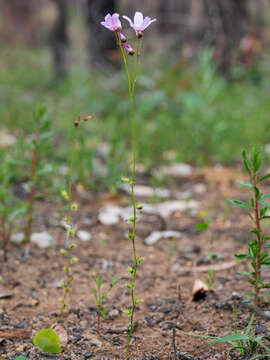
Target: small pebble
[(95, 342), (84, 236), (113, 314)]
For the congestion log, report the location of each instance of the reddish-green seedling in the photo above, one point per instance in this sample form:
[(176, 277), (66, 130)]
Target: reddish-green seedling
[(258, 208), (101, 296)]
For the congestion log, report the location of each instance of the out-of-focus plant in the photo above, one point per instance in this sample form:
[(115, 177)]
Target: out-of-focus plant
[(39, 122), (257, 207), (68, 221), (10, 206)]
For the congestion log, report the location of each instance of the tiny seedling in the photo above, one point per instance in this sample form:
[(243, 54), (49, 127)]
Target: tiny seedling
[(48, 341), (257, 208), (101, 296), (210, 280)]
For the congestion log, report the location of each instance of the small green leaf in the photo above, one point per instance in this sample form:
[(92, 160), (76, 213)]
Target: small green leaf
[(246, 163), (265, 197), (264, 177), (99, 282), (246, 273), (244, 183), (203, 226), (255, 231), (127, 312), (48, 341), (265, 203), (115, 281), (20, 358), (250, 293), (41, 110), (230, 338), (241, 256), (240, 203)]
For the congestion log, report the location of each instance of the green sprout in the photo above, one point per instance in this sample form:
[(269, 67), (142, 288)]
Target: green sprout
[(257, 208), (101, 296)]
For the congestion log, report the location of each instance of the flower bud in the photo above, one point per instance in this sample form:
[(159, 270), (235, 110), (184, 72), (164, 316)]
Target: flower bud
[(123, 38), (139, 34), (74, 260), (71, 232), (77, 121), (64, 194), (74, 207), (126, 180), (128, 48), (72, 246)]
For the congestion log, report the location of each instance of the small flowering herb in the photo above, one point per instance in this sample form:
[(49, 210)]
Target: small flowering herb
[(257, 207), (113, 23), (68, 223), (101, 296)]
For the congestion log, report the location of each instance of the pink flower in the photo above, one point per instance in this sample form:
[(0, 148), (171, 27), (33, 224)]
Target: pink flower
[(140, 23), (128, 48), (112, 22)]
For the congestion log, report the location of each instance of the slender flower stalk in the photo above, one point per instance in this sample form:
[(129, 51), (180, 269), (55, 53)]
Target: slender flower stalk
[(113, 24), (132, 235)]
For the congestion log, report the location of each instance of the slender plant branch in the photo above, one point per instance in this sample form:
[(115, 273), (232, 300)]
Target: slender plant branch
[(29, 216), (258, 234)]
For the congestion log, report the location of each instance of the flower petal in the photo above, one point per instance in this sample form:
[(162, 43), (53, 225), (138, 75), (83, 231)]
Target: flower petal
[(105, 24), (129, 20), (147, 21), (115, 21), (138, 18)]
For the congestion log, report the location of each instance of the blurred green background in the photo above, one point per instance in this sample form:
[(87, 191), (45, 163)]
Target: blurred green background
[(203, 93)]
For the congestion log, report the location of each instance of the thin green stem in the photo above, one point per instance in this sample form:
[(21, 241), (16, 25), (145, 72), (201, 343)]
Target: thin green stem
[(131, 88), (124, 55), (70, 232), (70, 178), (257, 269)]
